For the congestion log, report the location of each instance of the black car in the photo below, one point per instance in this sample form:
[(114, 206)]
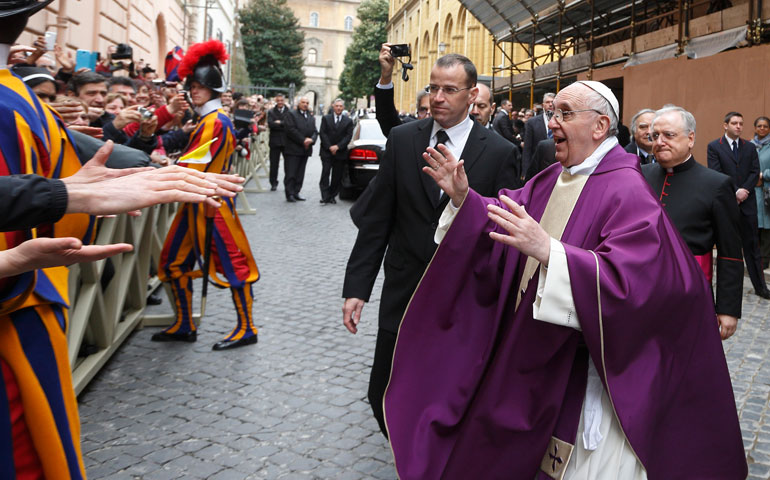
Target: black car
[(365, 151)]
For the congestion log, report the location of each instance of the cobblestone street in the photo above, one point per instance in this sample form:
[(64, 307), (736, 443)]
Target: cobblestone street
[(294, 406)]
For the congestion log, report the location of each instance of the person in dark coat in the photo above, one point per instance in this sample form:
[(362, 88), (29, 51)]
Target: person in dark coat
[(276, 120), (400, 219), (301, 135), (641, 144), (336, 132), (737, 158), (701, 203), (502, 123)]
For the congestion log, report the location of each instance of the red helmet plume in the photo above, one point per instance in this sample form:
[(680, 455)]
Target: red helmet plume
[(212, 52)]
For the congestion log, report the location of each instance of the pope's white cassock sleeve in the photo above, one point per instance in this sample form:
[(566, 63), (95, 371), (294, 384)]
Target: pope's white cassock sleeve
[(604, 453)]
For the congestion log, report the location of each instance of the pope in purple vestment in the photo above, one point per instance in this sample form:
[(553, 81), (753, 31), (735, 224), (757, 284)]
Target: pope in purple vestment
[(479, 386)]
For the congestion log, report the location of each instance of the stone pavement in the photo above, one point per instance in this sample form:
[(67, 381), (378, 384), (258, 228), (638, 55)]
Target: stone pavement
[(294, 406)]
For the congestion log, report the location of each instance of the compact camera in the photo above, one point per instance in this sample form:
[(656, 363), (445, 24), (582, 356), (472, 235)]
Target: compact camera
[(123, 52), (400, 50), (145, 113)]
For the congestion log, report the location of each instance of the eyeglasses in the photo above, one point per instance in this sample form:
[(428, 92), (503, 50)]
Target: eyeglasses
[(561, 115), (654, 136), (434, 89)]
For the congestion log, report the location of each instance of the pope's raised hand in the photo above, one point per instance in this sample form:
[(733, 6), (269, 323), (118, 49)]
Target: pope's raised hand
[(447, 172)]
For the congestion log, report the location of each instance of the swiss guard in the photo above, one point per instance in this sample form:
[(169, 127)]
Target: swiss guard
[(212, 242)]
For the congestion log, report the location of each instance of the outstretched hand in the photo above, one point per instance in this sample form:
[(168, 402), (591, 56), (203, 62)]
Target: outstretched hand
[(524, 233), (98, 190), (447, 172), (47, 252)]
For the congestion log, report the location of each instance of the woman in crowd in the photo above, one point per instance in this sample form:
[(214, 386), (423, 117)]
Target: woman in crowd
[(114, 103), (762, 142)]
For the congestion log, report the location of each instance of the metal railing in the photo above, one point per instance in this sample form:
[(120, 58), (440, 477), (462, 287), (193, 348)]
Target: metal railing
[(103, 313)]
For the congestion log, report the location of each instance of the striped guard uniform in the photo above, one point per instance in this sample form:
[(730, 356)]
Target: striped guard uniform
[(39, 424), (182, 257)]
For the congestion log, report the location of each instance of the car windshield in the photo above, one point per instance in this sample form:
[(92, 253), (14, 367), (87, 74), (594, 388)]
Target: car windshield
[(370, 130)]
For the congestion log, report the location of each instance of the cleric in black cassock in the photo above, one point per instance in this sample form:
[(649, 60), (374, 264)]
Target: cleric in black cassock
[(701, 203)]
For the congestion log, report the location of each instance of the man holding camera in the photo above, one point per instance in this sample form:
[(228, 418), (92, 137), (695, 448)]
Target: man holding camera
[(387, 115)]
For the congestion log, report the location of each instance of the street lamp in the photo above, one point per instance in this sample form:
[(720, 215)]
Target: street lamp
[(442, 47)]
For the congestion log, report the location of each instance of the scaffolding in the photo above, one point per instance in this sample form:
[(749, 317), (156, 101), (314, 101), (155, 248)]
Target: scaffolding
[(563, 38)]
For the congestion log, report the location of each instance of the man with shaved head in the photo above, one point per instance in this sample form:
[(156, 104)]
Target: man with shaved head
[(483, 107), (572, 334)]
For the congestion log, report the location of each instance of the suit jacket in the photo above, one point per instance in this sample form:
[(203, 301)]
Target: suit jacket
[(502, 125), (744, 172), (634, 148), (701, 203), (339, 135), (545, 155), (401, 216), (297, 129), (534, 132), (387, 115), (277, 130)]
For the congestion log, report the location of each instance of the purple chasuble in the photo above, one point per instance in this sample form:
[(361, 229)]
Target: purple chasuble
[(478, 389)]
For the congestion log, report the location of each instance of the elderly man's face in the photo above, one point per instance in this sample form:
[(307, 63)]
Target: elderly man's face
[(302, 104), (575, 135), (642, 133), (449, 109), (279, 102), (483, 107), (671, 145), (338, 108)]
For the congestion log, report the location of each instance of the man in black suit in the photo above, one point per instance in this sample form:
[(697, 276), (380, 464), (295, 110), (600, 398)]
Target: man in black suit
[(701, 203), (387, 115), (401, 217), (535, 130), (301, 135), (276, 120), (336, 132), (503, 123), (641, 145), (738, 159)]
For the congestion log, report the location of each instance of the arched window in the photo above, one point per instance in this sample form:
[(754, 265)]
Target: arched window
[(312, 56), (348, 23), (314, 19)]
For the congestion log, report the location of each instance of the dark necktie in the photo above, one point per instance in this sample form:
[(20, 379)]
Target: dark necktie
[(443, 138), (336, 120), (735, 151)]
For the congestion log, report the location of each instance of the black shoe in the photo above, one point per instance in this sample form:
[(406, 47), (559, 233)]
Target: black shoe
[(290, 198), (230, 344), (323, 202), (273, 188), (764, 294), (175, 337), (154, 299), (298, 198), (331, 200)]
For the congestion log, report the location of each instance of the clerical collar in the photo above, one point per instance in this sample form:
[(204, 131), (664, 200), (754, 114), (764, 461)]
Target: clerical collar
[(682, 167), (208, 107), (592, 161)]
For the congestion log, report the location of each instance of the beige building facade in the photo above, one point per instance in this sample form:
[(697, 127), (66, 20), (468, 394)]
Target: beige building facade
[(328, 26), (151, 27)]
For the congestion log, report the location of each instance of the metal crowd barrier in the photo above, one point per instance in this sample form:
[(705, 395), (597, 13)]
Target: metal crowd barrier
[(102, 316), (253, 169)]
